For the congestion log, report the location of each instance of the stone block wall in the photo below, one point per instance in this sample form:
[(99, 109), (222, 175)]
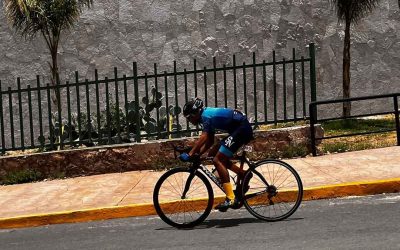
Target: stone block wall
[(142, 156), (118, 32), (114, 33)]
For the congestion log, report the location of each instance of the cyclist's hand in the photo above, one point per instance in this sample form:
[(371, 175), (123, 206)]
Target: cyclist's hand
[(184, 157)]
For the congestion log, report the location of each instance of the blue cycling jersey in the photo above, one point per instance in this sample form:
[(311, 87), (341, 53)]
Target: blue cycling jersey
[(224, 119)]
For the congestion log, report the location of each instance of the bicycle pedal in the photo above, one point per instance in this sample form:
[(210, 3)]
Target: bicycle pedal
[(237, 206), (223, 210)]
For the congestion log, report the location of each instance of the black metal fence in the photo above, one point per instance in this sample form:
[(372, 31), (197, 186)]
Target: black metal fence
[(148, 106), (314, 117)]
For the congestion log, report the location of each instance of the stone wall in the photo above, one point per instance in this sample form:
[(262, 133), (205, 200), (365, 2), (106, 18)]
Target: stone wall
[(118, 32), (114, 33), (150, 155)]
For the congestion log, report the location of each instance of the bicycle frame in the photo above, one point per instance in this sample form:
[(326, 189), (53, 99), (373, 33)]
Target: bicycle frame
[(198, 166)]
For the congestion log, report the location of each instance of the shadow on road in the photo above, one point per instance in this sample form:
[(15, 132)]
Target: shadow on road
[(226, 223)]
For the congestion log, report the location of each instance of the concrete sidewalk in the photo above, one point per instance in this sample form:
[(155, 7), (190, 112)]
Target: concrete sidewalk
[(130, 194)]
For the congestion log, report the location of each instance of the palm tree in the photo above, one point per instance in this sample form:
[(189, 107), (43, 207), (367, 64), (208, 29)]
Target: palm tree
[(350, 12), (49, 17)]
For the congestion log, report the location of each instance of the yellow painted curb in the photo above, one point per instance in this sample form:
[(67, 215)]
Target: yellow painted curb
[(352, 189), (78, 216), (322, 192)]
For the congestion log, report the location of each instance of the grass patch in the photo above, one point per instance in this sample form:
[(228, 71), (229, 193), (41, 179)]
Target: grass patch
[(339, 127), (294, 151), (22, 176), (287, 152), (361, 142), (28, 176), (283, 125)]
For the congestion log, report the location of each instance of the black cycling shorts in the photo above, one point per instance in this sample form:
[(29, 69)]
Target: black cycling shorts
[(239, 137)]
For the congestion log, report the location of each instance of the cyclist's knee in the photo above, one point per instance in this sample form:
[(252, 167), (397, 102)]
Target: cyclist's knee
[(216, 160), (220, 158)]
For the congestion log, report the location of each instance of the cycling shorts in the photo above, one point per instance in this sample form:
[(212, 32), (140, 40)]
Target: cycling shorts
[(239, 137)]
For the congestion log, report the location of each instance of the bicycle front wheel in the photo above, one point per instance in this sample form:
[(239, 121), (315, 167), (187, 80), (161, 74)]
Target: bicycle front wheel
[(275, 190), (183, 198)]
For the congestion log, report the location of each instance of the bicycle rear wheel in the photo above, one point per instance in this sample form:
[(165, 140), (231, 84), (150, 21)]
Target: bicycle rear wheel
[(275, 190), (179, 209)]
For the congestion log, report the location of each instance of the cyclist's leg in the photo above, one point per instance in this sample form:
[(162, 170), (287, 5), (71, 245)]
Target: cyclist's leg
[(242, 135), (212, 152), (236, 169), (222, 162)]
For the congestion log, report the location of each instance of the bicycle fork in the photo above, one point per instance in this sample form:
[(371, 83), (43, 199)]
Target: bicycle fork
[(187, 184)]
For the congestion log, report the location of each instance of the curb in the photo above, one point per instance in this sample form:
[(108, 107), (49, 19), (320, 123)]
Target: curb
[(314, 193), (352, 189)]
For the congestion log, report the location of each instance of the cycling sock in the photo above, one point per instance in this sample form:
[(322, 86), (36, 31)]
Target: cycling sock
[(229, 190)]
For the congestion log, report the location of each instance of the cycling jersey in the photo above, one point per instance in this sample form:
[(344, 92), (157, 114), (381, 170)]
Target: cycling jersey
[(224, 119), (231, 121)]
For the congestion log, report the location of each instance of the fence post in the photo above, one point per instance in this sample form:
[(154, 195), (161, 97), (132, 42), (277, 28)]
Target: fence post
[(10, 106), (39, 99), (313, 112), (21, 118), (313, 77), (3, 142), (60, 125), (255, 90), (78, 107), (396, 115), (136, 87), (274, 88)]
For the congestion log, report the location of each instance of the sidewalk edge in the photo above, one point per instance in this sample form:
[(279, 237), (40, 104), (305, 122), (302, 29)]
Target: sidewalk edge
[(359, 188), (313, 193)]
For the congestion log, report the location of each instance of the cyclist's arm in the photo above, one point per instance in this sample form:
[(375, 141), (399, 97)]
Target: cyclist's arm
[(209, 143), (205, 141)]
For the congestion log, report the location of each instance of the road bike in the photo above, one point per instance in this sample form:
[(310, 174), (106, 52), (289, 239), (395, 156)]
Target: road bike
[(271, 190)]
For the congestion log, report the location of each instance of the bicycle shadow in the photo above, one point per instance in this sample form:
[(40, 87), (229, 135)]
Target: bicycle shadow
[(227, 223)]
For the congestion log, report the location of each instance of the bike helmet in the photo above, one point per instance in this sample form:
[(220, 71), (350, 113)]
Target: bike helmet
[(192, 107)]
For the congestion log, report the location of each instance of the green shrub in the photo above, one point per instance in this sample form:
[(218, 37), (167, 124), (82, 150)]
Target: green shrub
[(22, 176), (294, 151)]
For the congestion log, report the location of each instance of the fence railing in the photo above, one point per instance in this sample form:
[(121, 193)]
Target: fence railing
[(148, 106), (314, 117)]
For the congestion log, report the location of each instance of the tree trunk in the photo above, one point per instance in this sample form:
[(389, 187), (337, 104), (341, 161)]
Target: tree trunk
[(346, 70), (54, 75)]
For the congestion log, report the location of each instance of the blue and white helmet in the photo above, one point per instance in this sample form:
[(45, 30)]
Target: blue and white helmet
[(193, 107)]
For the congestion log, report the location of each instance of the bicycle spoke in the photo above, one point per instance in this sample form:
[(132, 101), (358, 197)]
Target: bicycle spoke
[(176, 191), (177, 184), (194, 190), (266, 201), (278, 177), (284, 180), (180, 212), (171, 191)]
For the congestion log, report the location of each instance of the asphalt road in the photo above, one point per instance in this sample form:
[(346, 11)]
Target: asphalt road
[(370, 222)]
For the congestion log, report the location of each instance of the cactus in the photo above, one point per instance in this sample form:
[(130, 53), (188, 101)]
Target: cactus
[(127, 119)]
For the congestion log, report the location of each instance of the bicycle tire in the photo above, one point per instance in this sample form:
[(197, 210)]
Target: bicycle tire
[(275, 197), (167, 186)]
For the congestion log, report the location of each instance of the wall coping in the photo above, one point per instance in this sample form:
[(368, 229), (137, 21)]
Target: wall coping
[(124, 145)]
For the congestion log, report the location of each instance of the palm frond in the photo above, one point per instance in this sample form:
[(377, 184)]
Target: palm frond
[(353, 10), (31, 16)]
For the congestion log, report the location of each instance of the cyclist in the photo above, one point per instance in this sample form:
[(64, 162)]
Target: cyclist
[(225, 119)]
